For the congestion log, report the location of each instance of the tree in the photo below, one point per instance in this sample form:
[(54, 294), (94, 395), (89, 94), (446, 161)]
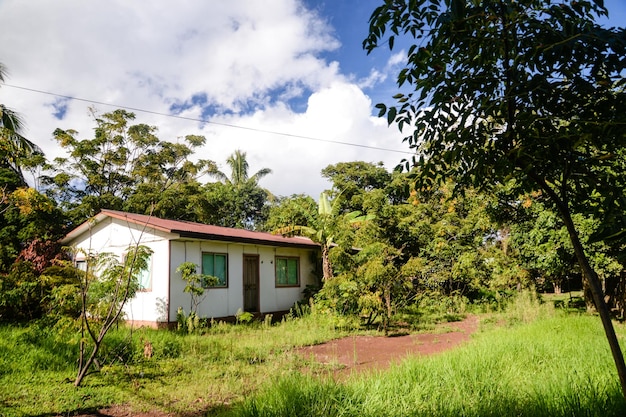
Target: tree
[(239, 175), (122, 166), (531, 90), (353, 180), (321, 228), (14, 147), (25, 214), (195, 284), (377, 283), (31, 222), (459, 248), (238, 200), (105, 287), (290, 210)]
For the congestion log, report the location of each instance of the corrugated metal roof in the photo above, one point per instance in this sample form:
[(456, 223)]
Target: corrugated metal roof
[(198, 230)]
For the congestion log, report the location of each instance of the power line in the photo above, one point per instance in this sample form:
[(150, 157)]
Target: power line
[(193, 119)]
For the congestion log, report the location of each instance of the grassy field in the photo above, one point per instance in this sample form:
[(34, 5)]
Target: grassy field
[(555, 366), (186, 372), (529, 361)]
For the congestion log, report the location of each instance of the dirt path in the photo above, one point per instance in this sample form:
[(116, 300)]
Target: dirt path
[(357, 354)]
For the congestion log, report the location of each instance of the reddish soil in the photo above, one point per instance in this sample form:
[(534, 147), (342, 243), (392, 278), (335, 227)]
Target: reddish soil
[(357, 354)]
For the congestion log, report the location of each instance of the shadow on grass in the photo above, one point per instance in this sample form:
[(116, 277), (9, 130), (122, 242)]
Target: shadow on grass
[(124, 411)]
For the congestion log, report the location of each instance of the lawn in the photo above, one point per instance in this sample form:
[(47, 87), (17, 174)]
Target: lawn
[(529, 361)]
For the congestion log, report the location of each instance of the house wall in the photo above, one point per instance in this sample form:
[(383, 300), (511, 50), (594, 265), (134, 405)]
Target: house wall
[(224, 302), (115, 236), (160, 302)]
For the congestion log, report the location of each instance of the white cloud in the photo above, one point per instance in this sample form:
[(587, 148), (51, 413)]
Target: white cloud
[(150, 55)]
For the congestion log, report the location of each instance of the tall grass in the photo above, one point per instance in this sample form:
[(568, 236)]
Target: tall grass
[(185, 373), (531, 361), (557, 365)]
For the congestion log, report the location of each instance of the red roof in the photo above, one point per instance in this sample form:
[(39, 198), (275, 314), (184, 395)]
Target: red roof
[(197, 230)]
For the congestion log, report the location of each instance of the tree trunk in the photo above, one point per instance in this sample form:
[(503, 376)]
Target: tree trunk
[(84, 368), (596, 291), (327, 268)]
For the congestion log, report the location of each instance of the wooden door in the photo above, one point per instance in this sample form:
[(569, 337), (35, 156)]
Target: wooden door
[(251, 283)]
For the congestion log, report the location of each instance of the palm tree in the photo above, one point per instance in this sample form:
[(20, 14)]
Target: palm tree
[(241, 201), (13, 146), (239, 171)]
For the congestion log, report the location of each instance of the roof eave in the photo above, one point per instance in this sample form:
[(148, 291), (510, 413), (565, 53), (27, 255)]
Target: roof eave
[(238, 239)]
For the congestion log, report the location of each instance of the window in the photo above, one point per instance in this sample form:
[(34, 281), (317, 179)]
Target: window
[(81, 265), (216, 265), (287, 272), (144, 276)]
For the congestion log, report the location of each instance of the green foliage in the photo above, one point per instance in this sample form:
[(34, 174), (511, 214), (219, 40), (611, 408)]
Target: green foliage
[(123, 166), (293, 210), (525, 90), (242, 206), (460, 248), (322, 227), (31, 224), (544, 248), (20, 293), (196, 285), (188, 324), (237, 200), (244, 317), (429, 244), (103, 293), (374, 288), (353, 180), (16, 152), (27, 294), (113, 282), (519, 116)]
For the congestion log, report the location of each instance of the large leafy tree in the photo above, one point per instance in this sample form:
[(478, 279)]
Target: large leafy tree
[(460, 248), (28, 218), (290, 210), (124, 166), (530, 89), (353, 180), (243, 207)]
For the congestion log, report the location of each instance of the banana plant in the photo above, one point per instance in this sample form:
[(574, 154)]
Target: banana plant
[(321, 228)]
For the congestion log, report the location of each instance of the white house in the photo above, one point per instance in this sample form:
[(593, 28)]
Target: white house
[(258, 272)]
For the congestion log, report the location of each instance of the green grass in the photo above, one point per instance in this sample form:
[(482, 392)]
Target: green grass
[(186, 372), (539, 363), (529, 361)]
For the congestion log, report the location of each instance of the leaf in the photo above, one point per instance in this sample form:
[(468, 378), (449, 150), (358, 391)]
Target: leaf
[(325, 208), (391, 115), (382, 109)]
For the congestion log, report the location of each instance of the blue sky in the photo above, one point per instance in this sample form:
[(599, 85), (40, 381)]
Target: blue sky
[(291, 74)]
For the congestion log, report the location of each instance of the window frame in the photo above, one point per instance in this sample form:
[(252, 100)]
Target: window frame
[(226, 269), (287, 258)]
